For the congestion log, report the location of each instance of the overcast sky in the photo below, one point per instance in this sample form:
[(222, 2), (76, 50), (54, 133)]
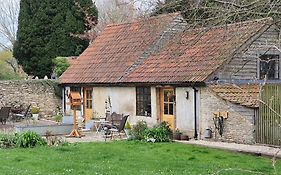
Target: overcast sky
[(142, 6)]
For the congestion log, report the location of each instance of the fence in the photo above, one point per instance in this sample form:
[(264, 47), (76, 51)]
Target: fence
[(268, 123)]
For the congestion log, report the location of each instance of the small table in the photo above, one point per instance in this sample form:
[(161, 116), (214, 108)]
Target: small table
[(98, 125)]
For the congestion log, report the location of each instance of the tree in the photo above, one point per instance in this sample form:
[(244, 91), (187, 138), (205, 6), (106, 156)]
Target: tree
[(44, 32), (61, 64), (9, 10), (215, 12)]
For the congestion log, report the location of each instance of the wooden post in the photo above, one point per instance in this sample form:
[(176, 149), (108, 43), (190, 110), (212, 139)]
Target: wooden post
[(74, 132), (75, 100)]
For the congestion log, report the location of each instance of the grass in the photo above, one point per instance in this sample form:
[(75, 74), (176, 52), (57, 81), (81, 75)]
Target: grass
[(131, 158)]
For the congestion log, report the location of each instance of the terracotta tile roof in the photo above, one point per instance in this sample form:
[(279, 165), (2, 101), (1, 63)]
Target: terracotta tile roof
[(195, 54), (115, 51), (191, 56), (245, 95)]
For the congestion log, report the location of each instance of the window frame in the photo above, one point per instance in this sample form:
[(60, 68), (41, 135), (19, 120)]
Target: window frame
[(276, 59), (143, 101)]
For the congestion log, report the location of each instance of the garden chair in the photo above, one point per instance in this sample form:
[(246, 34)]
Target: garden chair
[(4, 114), (18, 117), (116, 130), (116, 119)]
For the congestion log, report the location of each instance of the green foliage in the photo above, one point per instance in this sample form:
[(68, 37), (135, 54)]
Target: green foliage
[(6, 71), (44, 32), (138, 130), (160, 132), (30, 139), (61, 64), (35, 110), (7, 140), (58, 118)]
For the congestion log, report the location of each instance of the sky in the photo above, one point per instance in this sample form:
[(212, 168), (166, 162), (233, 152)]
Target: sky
[(142, 6)]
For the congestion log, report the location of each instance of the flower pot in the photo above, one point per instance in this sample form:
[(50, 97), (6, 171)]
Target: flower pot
[(176, 136), (35, 116), (127, 132), (184, 137)]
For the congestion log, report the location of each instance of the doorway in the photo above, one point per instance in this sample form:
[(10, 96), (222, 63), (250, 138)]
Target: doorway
[(88, 103), (167, 106)]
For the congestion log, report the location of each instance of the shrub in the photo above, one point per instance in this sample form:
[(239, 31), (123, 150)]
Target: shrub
[(53, 140), (61, 64), (159, 133), (35, 110), (138, 130), (7, 141), (30, 139), (58, 118)]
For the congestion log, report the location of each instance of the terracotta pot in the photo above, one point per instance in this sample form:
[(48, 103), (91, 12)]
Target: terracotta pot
[(176, 136), (184, 137)]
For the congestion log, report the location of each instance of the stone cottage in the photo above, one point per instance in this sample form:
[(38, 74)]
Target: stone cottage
[(158, 69)]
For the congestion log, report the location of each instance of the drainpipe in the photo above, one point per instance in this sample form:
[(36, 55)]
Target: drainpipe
[(195, 113)]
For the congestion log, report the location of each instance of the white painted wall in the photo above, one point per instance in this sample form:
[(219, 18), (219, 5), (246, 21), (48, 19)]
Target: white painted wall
[(185, 110), (123, 101), (68, 111)]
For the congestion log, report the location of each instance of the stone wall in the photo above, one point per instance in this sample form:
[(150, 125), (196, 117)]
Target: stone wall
[(41, 93), (238, 127)]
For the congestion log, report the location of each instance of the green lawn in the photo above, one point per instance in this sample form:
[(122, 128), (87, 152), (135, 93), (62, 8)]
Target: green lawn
[(130, 158)]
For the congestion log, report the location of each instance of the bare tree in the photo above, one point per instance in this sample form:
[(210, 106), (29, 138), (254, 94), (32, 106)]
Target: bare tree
[(9, 11)]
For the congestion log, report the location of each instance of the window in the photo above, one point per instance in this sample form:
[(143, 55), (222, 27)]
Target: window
[(143, 97), (269, 67), (89, 99)]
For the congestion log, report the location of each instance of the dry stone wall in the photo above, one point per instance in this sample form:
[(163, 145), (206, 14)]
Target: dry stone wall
[(41, 93), (238, 127)]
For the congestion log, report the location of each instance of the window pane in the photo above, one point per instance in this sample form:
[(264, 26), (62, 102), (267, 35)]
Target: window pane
[(166, 110), (143, 98), (165, 96), (171, 96), (269, 67), (171, 109)]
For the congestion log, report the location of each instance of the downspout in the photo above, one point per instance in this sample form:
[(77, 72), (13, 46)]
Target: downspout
[(195, 113)]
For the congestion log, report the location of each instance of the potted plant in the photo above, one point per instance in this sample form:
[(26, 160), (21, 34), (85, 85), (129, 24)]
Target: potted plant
[(35, 112), (177, 134), (58, 118), (127, 129), (184, 137)]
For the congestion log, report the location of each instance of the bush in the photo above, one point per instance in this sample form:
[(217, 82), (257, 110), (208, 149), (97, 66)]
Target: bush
[(30, 139), (61, 64), (35, 110), (8, 141), (159, 133), (138, 130)]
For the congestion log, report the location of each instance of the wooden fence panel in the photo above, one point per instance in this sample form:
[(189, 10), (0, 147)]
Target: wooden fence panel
[(268, 121)]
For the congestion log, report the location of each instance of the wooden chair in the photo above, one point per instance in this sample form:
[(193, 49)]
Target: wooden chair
[(4, 114), (18, 117)]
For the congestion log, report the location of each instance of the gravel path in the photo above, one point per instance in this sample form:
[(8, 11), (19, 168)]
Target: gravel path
[(252, 149)]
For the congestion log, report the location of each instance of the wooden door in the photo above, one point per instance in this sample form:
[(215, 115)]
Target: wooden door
[(88, 103), (167, 112)]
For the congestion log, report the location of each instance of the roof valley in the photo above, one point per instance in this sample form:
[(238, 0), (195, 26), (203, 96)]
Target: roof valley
[(176, 26)]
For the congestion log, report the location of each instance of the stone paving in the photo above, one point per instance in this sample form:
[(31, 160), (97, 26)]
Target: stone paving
[(252, 149)]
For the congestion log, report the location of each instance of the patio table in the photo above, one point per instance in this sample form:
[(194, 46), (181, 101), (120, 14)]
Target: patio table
[(98, 125)]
